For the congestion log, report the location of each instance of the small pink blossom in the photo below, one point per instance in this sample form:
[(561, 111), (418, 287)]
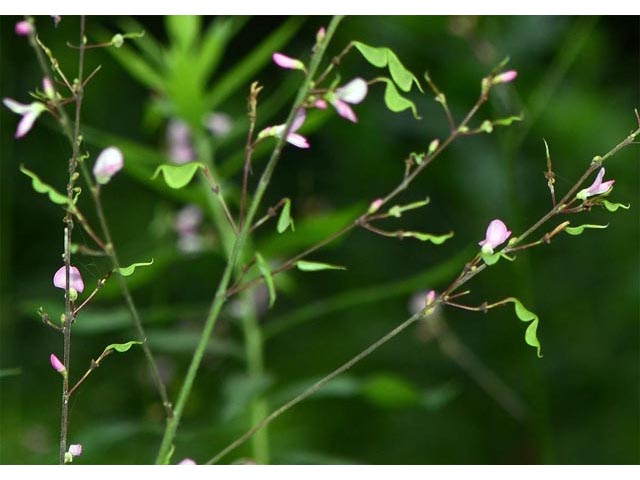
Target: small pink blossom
[(292, 137), (179, 142), (187, 461), (109, 162), (497, 234), (353, 92), (47, 87), (59, 279), (29, 114), (598, 187), (187, 220), (287, 62), (505, 77), (375, 205), (75, 450), (57, 365), (431, 297), (24, 28), (320, 104), (321, 34)]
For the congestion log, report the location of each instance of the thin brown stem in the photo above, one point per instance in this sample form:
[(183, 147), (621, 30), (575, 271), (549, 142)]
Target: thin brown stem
[(215, 188), (252, 110)]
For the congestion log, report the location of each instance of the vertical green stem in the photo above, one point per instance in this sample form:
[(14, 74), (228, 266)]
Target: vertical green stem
[(220, 295)]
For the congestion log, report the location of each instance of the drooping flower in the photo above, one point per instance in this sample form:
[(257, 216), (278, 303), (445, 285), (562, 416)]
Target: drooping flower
[(497, 234), (292, 137), (109, 162), (598, 187), (57, 365), (287, 62), (353, 92), (187, 461), (505, 77), (24, 28), (75, 279), (29, 114)]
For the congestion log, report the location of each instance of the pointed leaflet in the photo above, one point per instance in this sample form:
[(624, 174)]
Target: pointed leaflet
[(381, 57), (612, 207), (396, 210), (285, 221), (396, 102), (41, 187), (580, 229), (530, 335), (178, 176), (121, 347), (128, 271), (263, 266), (424, 237), (316, 266)]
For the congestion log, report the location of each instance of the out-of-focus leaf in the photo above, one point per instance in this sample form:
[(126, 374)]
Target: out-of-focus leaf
[(240, 391), (149, 45), (263, 266), (390, 391), (129, 270), (214, 42), (436, 397), (41, 187), (344, 386), (581, 228), (10, 372), (183, 342), (178, 176), (305, 266), (260, 56), (183, 30)]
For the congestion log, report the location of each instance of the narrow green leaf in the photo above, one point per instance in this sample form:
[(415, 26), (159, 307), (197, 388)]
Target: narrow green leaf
[(396, 210), (316, 266), (424, 237), (381, 57), (285, 220), (128, 271), (263, 266), (396, 102), (612, 207), (183, 30), (390, 391), (10, 372), (213, 45), (41, 187), (509, 120), (122, 347), (178, 176), (580, 229), (525, 315)]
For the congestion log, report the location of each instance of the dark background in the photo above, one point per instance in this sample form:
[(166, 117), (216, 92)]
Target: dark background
[(411, 402)]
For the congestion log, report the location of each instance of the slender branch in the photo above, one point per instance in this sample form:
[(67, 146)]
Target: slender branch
[(220, 297), (252, 107), (215, 188), (314, 388)]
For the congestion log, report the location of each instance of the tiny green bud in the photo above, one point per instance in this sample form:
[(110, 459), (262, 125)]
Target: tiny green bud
[(433, 146), (486, 126), (117, 40), (463, 129)]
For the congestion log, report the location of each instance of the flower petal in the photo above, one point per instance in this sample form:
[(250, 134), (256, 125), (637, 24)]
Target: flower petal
[(497, 233), (345, 111), (26, 123), (59, 279), (109, 162), (297, 140), (353, 92), (16, 107), (298, 120), (287, 62), (56, 363)]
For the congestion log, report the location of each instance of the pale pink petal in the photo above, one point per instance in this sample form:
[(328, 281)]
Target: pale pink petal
[(345, 111), (431, 296), (25, 124), (497, 234), (47, 87), (187, 220), (298, 120), (75, 449), (297, 140), (187, 461), (16, 107), (320, 104), (23, 28), (353, 92), (605, 187), (287, 62), (109, 162), (505, 77), (59, 279)]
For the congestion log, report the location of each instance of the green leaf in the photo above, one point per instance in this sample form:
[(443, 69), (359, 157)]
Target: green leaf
[(41, 187), (10, 372), (580, 229), (128, 271), (391, 391), (121, 347), (183, 30), (424, 237), (396, 210), (612, 207), (285, 220), (490, 259), (509, 120), (381, 57), (213, 45), (240, 390), (263, 266), (530, 335), (316, 266), (178, 176), (396, 102)]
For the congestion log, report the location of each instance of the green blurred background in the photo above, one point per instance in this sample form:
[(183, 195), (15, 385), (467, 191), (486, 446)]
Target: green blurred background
[(473, 394)]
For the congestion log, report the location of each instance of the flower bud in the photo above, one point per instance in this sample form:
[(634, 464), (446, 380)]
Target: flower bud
[(57, 365), (47, 87), (109, 162), (375, 206), (321, 34), (24, 28), (287, 62), (505, 77)]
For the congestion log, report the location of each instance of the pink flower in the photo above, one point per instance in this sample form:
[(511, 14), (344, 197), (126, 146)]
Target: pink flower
[(353, 92), (109, 162), (321, 34), (505, 77), (598, 187), (24, 28), (497, 234), (187, 461), (287, 62), (47, 86), (29, 114), (375, 206), (59, 279), (431, 297), (75, 450), (320, 104), (292, 137), (179, 141), (57, 364)]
